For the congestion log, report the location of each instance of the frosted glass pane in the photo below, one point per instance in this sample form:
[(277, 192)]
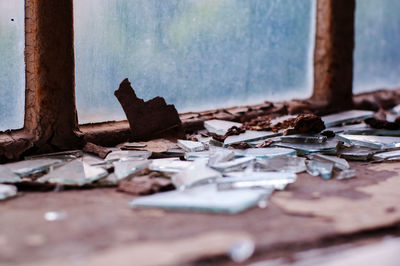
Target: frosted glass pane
[(377, 52), (12, 64), (197, 54)]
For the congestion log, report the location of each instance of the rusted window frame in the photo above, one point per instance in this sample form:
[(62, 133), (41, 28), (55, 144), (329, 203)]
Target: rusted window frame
[(50, 111)]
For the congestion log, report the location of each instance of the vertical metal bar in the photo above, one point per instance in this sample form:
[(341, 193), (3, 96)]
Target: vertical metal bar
[(50, 112), (333, 55)]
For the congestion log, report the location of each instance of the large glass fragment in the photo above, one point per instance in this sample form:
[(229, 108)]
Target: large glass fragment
[(265, 153), (234, 165), (338, 163), (387, 156), (329, 147), (303, 139), (219, 127), (219, 155), (345, 174), (291, 164), (363, 129), (373, 142), (197, 155), (125, 168), (377, 39), (197, 173), (191, 146), (357, 153), (203, 198), (75, 173), (7, 191), (7, 176), (128, 155), (249, 136), (169, 165), (197, 54), (238, 180), (35, 166), (12, 64), (324, 169), (346, 117)]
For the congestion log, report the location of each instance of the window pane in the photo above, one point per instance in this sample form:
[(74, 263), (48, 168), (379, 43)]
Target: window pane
[(12, 64), (377, 53), (197, 54)]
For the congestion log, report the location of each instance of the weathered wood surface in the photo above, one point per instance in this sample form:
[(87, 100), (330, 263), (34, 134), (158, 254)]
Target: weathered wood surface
[(101, 225)]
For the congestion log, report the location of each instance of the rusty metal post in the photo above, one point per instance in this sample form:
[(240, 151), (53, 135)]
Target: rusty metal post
[(50, 111), (333, 55)]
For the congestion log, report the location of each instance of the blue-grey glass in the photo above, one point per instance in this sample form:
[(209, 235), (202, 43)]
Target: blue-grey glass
[(196, 54), (12, 64), (377, 42)]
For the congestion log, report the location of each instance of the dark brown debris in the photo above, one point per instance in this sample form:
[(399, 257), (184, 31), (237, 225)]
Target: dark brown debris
[(259, 123), (382, 124), (265, 144), (147, 119), (145, 185), (232, 131), (241, 146), (308, 123), (100, 151), (328, 133)]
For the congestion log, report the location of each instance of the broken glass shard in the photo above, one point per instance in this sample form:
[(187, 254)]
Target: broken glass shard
[(265, 153), (197, 173), (202, 198), (249, 136), (291, 164), (190, 156), (303, 139), (357, 153), (131, 154), (75, 172), (396, 109), (345, 174), (219, 155), (329, 147), (94, 160), (191, 146), (237, 180), (220, 127), (242, 251), (348, 128), (110, 181), (363, 129), (234, 165), (175, 152), (53, 216), (125, 168), (169, 165), (373, 142), (346, 117), (133, 145), (315, 168), (7, 191), (34, 166), (338, 163), (6, 176), (387, 156), (64, 155)]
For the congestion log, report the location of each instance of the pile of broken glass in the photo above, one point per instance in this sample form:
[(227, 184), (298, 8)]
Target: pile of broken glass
[(226, 168)]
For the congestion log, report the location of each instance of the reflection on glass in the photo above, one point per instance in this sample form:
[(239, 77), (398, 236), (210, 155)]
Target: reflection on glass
[(12, 64), (377, 39), (196, 54)]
